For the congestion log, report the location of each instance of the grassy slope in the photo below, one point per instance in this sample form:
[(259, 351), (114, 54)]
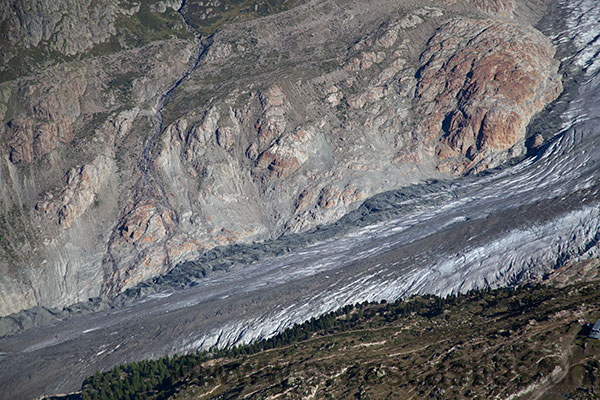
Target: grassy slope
[(205, 17), (484, 345), (139, 29), (132, 31)]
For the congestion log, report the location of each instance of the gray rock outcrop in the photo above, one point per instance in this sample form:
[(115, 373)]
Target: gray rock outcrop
[(117, 167)]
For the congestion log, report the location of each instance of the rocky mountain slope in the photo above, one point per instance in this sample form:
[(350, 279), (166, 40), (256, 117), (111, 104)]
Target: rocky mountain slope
[(140, 139)]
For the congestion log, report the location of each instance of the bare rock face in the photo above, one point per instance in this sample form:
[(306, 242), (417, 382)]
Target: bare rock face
[(481, 90), (82, 185), (70, 143), (144, 228), (70, 27), (249, 161), (123, 165), (500, 8), (286, 155), (51, 107), (37, 34), (163, 6), (272, 122)]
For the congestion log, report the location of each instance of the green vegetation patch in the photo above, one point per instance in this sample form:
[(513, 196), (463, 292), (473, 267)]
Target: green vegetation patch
[(486, 344), (132, 31), (144, 26), (208, 16), (121, 85)]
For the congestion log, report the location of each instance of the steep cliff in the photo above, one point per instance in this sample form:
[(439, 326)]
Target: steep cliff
[(123, 154), (69, 148)]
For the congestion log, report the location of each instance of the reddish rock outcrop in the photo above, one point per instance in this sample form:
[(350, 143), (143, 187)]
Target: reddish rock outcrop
[(502, 8), (82, 185), (286, 123), (480, 83), (288, 153), (145, 230), (272, 123), (146, 224), (50, 110)]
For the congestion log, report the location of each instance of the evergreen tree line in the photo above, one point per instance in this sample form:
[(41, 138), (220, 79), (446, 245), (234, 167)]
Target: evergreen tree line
[(160, 378)]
